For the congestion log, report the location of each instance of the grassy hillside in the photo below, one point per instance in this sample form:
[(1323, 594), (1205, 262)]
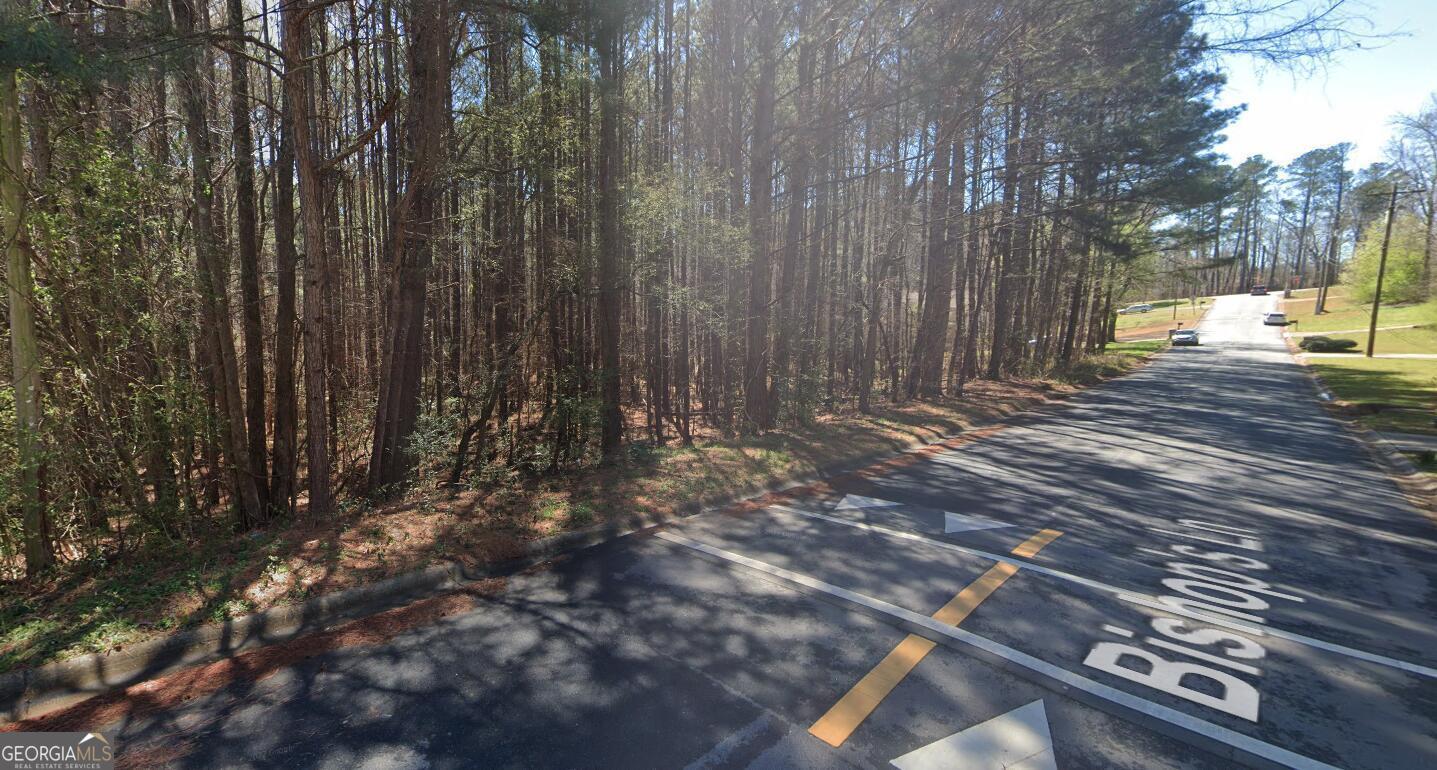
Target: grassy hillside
[(1395, 394)]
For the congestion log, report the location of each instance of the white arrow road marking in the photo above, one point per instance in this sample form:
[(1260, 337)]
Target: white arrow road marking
[(1017, 739), (957, 522), (952, 522), (1063, 679), (1132, 597), (859, 502)]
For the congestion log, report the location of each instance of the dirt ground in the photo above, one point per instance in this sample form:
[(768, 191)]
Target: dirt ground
[(94, 607)]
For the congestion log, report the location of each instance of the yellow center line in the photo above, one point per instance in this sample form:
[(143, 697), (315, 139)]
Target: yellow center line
[(1030, 547), (849, 712)]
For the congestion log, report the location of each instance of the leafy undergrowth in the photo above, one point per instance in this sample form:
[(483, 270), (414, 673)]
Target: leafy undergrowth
[(1119, 358), (95, 606)]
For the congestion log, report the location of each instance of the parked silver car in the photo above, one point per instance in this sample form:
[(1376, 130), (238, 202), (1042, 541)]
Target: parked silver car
[(1185, 337)]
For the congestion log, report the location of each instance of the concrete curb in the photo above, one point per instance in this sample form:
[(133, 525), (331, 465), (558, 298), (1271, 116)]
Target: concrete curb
[(1419, 489), (1410, 443), (32, 692)]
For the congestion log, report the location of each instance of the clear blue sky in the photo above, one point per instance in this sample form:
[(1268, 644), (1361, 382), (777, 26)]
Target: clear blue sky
[(1348, 100)]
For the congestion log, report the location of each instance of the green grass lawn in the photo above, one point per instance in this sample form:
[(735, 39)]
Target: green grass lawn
[(1420, 340), (1163, 312), (1395, 394), (1344, 313), (1140, 349)]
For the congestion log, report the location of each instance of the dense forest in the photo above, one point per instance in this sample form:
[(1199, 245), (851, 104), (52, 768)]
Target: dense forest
[(1307, 224), (265, 257)]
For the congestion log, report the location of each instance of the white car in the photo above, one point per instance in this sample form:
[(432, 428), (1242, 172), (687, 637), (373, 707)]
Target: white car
[(1142, 308), (1185, 337), (1274, 319)]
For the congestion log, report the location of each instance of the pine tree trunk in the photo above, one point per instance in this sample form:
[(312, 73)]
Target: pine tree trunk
[(402, 356), (611, 243), (756, 354), (24, 350), (925, 376), (211, 277), (788, 279), (283, 460), (297, 82), (248, 243), (1003, 296)]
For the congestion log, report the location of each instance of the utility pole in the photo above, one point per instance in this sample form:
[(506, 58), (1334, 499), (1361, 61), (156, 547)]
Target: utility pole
[(1382, 264), (1330, 263)]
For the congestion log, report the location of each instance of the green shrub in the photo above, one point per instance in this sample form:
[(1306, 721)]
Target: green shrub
[(1320, 344)]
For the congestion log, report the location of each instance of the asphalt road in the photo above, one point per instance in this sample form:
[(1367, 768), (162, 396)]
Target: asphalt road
[(1189, 567)]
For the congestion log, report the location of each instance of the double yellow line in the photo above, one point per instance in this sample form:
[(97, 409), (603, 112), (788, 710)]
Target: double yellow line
[(849, 712)]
